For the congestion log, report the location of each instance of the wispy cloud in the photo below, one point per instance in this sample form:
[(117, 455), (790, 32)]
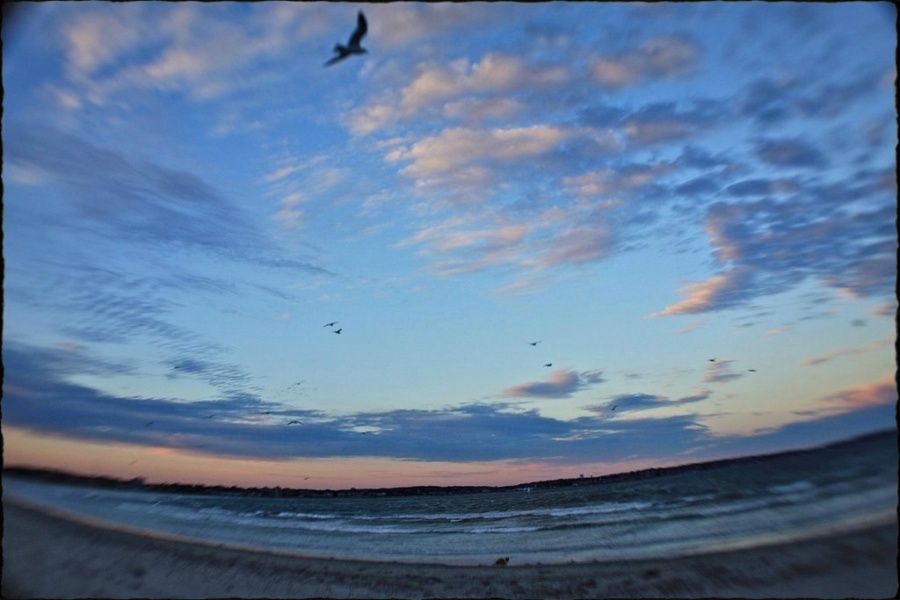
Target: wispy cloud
[(143, 202), (838, 352), (720, 372), (623, 403)]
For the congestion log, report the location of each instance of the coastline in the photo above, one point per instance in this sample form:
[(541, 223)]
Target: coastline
[(48, 555)]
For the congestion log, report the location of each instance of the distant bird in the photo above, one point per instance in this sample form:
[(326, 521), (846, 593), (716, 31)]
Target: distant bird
[(352, 46), (752, 370), (614, 407), (209, 416), (712, 360), (501, 562), (548, 364), (338, 331), (149, 423), (295, 422), (534, 343), (332, 324)]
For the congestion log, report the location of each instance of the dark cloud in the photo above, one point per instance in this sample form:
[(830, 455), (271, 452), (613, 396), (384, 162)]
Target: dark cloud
[(637, 402), (562, 384), (789, 152), (770, 100), (817, 430), (39, 397), (841, 234)]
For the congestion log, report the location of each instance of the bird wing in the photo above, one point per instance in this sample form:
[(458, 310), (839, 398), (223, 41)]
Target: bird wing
[(361, 28), (337, 58)]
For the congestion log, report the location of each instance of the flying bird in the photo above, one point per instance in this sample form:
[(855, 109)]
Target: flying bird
[(712, 360), (295, 422), (548, 364), (338, 331), (352, 46), (534, 343), (332, 324)]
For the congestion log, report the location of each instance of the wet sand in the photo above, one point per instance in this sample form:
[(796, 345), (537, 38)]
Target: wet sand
[(47, 556)]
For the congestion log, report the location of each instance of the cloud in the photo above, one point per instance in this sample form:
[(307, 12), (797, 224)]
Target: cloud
[(829, 356), (637, 402), (720, 372), (562, 384), (199, 53), (789, 152), (839, 234), (660, 57), (460, 150), (491, 84), (669, 121), (143, 202), (719, 292), (885, 309), (876, 394), (407, 24), (770, 100), (39, 397)]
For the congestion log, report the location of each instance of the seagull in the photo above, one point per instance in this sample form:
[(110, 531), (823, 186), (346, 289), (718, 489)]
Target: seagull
[(752, 370), (548, 364), (332, 324), (338, 331), (614, 407), (534, 343), (352, 46), (712, 360), (295, 422)]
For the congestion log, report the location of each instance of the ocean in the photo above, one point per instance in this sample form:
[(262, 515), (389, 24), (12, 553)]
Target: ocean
[(735, 505)]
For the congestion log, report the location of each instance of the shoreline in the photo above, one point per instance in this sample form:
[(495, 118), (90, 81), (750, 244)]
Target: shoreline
[(50, 555)]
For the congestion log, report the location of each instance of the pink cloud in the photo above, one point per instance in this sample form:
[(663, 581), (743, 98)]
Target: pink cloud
[(884, 392)]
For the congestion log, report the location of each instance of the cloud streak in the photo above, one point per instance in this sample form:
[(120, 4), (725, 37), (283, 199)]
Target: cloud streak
[(561, 384)]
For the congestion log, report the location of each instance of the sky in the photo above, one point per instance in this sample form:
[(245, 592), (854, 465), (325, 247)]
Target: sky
[(556, 238)]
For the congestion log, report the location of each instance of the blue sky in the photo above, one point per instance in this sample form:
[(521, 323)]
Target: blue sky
[(190, 197)]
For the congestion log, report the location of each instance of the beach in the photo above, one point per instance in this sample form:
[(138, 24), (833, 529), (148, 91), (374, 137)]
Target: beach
[(50, 556)]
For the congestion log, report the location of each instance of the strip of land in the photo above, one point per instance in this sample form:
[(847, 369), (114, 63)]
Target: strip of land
[(48, 556)]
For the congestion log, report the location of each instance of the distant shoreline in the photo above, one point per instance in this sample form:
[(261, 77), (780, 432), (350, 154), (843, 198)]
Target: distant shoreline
[(58, 476)]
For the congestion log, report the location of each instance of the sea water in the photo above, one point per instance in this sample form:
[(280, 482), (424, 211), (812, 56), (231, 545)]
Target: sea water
[(736, 505)]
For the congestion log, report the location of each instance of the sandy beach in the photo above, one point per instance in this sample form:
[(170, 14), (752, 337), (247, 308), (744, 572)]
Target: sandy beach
[(47, 556)]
